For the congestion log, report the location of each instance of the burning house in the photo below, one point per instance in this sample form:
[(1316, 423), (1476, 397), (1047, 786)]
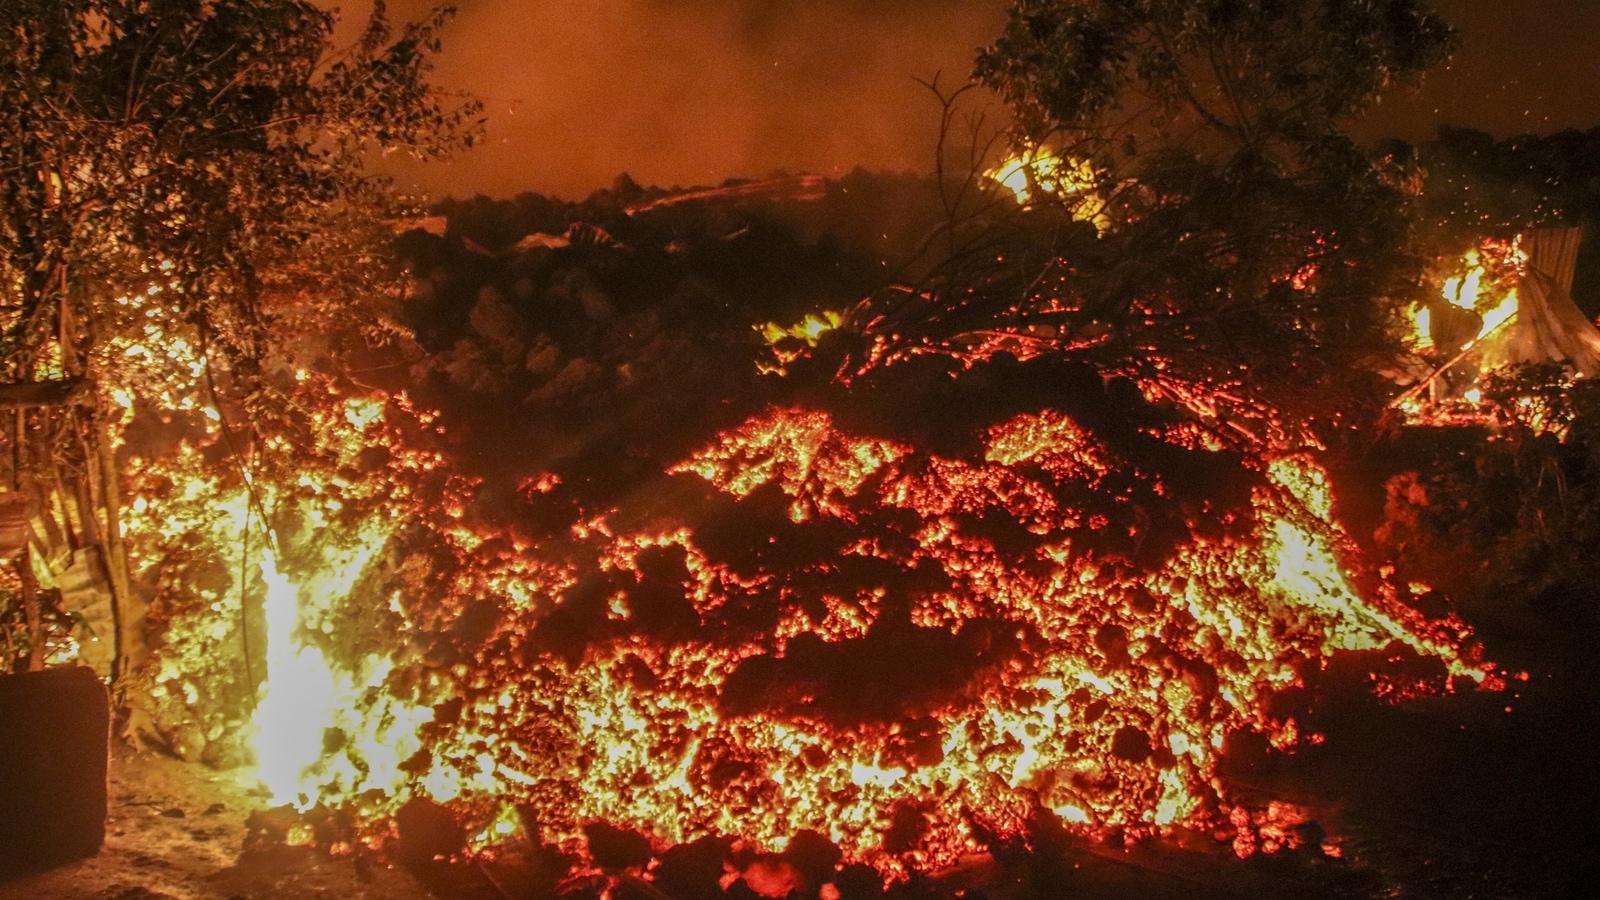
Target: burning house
[(1523, 314)]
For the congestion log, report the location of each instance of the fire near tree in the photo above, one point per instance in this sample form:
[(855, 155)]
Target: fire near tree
[(178, 176)]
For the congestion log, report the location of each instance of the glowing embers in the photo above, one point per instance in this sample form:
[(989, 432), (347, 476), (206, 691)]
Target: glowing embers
[(1053, 441), (801, 452), (858, 638)]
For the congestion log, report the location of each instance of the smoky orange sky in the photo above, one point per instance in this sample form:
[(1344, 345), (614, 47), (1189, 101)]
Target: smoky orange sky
[(692, 92)]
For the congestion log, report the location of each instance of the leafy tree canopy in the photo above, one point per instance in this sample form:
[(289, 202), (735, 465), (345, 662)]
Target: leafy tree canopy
[(1242, 244), (1208, 76), (187, 145), (182, 182)]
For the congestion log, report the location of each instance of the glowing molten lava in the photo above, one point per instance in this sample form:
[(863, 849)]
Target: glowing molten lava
[(810, 629), (957, 653)]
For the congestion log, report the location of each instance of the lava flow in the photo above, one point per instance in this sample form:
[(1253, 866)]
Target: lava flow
[(828, 631)]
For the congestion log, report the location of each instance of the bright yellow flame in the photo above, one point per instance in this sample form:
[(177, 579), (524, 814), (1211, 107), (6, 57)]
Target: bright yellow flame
[(1013, 173), (1468, 291), (1422, 328), (1043, 171), (810, 329), (1463, 290), (305, 699), (296, 707), (1495, 317)]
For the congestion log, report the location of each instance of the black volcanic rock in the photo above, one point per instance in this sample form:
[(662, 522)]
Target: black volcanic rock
[(616, 848), (693, 871), (428, 831)]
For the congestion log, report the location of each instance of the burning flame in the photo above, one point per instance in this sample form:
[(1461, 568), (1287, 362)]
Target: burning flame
[(809, 330), (1471, 291), (789, 343), (1035, 173), (297, 704), (326, 722), (1422, 328), (1040, 170)]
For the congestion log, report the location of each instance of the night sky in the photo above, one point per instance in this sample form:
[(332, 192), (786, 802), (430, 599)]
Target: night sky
[(691, 92)]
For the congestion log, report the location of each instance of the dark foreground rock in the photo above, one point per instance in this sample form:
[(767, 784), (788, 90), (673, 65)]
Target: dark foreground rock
[(54, 729)]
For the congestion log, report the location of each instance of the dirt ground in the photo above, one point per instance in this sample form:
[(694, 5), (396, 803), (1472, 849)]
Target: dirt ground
[(175, 831)]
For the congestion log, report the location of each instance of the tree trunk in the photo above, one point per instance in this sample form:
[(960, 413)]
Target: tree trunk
[(30, 607), (129, 607), (30, 587), (100, 464)]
